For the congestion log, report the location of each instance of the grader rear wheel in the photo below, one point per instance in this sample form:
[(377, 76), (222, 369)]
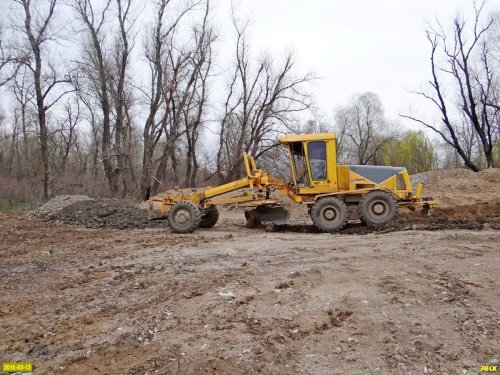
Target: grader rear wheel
[(329, 214), (184, 217), (209, 217), (377, 208)]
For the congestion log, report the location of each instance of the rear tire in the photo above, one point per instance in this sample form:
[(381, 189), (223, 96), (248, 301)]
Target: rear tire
[(377, 208), (184, 217), (209, 217), (329, 214)]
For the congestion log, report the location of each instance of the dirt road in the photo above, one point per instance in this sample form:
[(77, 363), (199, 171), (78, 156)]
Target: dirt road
[(232, 300)]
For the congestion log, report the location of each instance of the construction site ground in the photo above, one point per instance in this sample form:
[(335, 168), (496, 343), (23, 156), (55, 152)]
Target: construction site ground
[(420, 296)]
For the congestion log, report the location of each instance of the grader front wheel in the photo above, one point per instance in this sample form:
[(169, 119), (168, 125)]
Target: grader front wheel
[(329, 214), (184, 217)]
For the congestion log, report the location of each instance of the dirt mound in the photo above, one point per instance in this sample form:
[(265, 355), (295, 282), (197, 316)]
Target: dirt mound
[(59, 202), (105, 214), (489, 209), (462, 193), (475, 192)]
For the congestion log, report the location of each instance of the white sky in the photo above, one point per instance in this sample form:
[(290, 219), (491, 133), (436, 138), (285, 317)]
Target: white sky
[(353, 46)]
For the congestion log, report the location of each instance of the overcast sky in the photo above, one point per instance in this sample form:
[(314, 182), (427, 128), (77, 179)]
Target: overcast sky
[(354, 46)]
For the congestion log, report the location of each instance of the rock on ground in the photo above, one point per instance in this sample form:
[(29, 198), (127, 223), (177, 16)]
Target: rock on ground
[(59, 202), (105, 214)]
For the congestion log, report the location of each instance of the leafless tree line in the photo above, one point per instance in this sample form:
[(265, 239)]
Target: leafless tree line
[(465, 87), (261, 101), (120, 104), (133, 105)]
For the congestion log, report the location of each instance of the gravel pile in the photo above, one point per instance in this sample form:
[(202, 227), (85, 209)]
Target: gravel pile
[(106, 214), (59, 202)]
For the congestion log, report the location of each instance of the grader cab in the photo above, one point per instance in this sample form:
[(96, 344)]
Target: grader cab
[(333, 193)]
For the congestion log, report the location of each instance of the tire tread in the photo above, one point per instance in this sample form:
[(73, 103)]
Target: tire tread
[(195, 217), (316, 214), (363, 210)]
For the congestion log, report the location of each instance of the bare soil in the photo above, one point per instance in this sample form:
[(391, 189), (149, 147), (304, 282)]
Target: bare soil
[(421, 296), (118, 294), (461, 187)]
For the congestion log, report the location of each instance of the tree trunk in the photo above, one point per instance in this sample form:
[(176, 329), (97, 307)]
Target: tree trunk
[(35, 43), (488, 153), (147, 168), (187, 176), (194, 172), (42, 122), (161, 171), (189, 158)]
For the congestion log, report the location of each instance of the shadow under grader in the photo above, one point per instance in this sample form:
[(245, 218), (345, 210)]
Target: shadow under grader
[(403, 224)]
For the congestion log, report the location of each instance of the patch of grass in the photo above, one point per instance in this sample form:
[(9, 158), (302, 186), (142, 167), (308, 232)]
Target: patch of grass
[(8, 208)]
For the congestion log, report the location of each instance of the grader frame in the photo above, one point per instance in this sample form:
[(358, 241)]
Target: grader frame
[(334, 193)]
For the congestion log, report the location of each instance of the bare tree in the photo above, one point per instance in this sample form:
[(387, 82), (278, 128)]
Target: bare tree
[(11, 60), (260, 102), (342, 119), (362, 129), (122, 50), (22, 89), (37, 30), (95, 66), (168, 71), (468, 67), (89, 114), (201, 65), (154, 54), (318, 123), (65, 137)]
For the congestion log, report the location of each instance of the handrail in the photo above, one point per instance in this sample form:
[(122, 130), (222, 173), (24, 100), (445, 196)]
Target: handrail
[(247, 165)]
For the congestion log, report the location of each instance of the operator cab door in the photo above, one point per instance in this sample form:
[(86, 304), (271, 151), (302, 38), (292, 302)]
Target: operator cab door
[(316, 156), (309, 165)]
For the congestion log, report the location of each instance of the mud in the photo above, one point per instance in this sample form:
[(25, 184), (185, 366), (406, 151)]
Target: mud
[(395, 226), (233, 300), (115, 294)]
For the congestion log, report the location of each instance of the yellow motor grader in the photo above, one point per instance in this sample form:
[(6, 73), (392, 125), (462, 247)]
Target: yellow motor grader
[(333, 193)]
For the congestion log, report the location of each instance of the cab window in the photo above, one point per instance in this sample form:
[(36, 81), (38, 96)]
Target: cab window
[(317, 160)]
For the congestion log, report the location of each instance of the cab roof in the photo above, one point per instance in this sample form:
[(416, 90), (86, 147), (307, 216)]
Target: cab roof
[(307, 137)]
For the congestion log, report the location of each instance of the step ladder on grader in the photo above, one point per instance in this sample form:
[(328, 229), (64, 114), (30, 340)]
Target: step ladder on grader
[(333, 193)]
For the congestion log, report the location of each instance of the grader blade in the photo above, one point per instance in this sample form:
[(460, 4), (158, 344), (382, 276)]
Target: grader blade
[(266, 215)]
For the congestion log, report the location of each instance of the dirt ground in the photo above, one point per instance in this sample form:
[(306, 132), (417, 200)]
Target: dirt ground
[(94, 287), (419, 297)]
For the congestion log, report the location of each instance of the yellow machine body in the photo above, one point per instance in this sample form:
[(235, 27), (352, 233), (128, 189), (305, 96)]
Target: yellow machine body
[(315, 175), (308, 150)]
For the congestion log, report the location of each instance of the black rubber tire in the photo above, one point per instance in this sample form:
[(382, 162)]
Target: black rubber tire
[(377, 208), (187, 211), (329, 214), (209, 217)]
